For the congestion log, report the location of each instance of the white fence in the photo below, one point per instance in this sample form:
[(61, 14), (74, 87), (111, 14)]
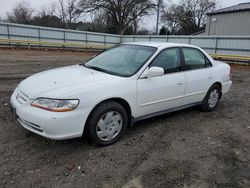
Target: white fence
[(237, 45), (54, 35)]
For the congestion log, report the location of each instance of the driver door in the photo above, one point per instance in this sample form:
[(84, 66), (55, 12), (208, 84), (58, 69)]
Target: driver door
[(156, 94)]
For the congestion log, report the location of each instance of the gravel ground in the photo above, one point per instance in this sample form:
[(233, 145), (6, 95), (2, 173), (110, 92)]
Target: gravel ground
[(186, 149)]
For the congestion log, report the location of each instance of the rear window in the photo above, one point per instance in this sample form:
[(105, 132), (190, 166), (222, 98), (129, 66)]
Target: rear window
[(195, 59)]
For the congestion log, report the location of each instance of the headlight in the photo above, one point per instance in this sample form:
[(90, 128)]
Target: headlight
[(55, 105)]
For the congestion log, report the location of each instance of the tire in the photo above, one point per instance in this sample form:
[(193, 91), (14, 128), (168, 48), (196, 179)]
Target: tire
[(212, 98), (106, 119)]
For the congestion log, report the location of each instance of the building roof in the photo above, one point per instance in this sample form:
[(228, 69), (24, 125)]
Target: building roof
[(235, 8)]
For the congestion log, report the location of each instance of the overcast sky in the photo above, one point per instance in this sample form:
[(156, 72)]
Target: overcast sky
[(7, 5)]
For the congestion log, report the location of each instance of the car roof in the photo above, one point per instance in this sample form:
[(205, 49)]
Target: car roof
[(161, 44)]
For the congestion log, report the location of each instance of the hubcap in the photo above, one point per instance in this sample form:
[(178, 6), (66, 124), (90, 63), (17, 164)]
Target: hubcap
[(109, 126), (213, 98)]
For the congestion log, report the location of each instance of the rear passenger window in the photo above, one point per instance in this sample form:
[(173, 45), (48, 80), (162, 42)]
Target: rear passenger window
[(194, 59), (169, 60)]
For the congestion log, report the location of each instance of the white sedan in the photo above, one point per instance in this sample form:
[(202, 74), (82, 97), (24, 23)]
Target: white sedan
[(120, 86)]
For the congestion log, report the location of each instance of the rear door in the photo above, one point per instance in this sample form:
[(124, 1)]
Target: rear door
[(199, 75), (163, 92)]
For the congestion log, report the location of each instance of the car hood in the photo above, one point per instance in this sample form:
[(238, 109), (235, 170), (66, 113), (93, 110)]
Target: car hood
[(63, 80)]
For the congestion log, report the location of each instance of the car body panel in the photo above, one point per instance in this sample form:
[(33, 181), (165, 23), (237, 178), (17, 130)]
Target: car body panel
[(197, 84), (62, 81), (160, 93), (146, 97)]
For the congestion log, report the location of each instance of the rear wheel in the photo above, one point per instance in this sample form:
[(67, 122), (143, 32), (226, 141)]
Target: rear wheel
[(212, 98), (107, 123)]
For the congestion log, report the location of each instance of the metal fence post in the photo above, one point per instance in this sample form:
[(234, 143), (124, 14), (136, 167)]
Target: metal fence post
[(105, 41), (64, 39), (121, 38), (39, 36), (15, 31), (64, 36), (8, 33), (216, 45), (86, 38)]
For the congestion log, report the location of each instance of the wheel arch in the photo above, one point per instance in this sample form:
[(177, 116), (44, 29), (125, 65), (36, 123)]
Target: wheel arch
[(219, 84), (122, 102)]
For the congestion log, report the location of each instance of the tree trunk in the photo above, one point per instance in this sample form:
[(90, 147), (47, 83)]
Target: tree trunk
[(135, 27)]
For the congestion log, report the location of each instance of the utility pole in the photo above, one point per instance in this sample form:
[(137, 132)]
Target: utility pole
[(158, 15)]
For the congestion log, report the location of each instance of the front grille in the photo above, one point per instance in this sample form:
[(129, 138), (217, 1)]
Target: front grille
[(31, 125), (21, 97)]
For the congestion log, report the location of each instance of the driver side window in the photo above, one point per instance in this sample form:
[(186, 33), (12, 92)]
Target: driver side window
[(169, 60)]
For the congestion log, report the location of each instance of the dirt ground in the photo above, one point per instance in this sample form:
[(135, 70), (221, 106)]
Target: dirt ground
[(188, 149)]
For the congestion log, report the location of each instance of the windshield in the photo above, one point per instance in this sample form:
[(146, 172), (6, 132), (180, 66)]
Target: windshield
[(124, 60)]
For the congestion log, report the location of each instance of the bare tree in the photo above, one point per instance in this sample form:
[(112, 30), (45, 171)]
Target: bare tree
[(143, 31), (52, 9), (138, 12), (187, 17), (199, 9), (71, 7), (67, 12), (99, 22), (170, 17), (46, 17), (122, 12), (21, 13), (47, 11), (62, 12)]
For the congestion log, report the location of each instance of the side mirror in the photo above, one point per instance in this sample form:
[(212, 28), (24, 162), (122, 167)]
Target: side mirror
[(153, 72)]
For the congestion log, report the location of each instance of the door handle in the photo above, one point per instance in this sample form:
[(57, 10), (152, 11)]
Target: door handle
[(178, 84)]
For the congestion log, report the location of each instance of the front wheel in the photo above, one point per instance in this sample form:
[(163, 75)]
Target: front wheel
[(212, 98), (107, 123)]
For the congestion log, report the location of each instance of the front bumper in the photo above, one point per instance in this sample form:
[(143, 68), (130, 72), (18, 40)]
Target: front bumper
[(52, 125), (226, 86)]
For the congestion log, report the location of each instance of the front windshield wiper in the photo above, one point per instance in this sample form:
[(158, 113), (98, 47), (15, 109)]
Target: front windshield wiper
[(95, 68), (83, 64), (102, 70)]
